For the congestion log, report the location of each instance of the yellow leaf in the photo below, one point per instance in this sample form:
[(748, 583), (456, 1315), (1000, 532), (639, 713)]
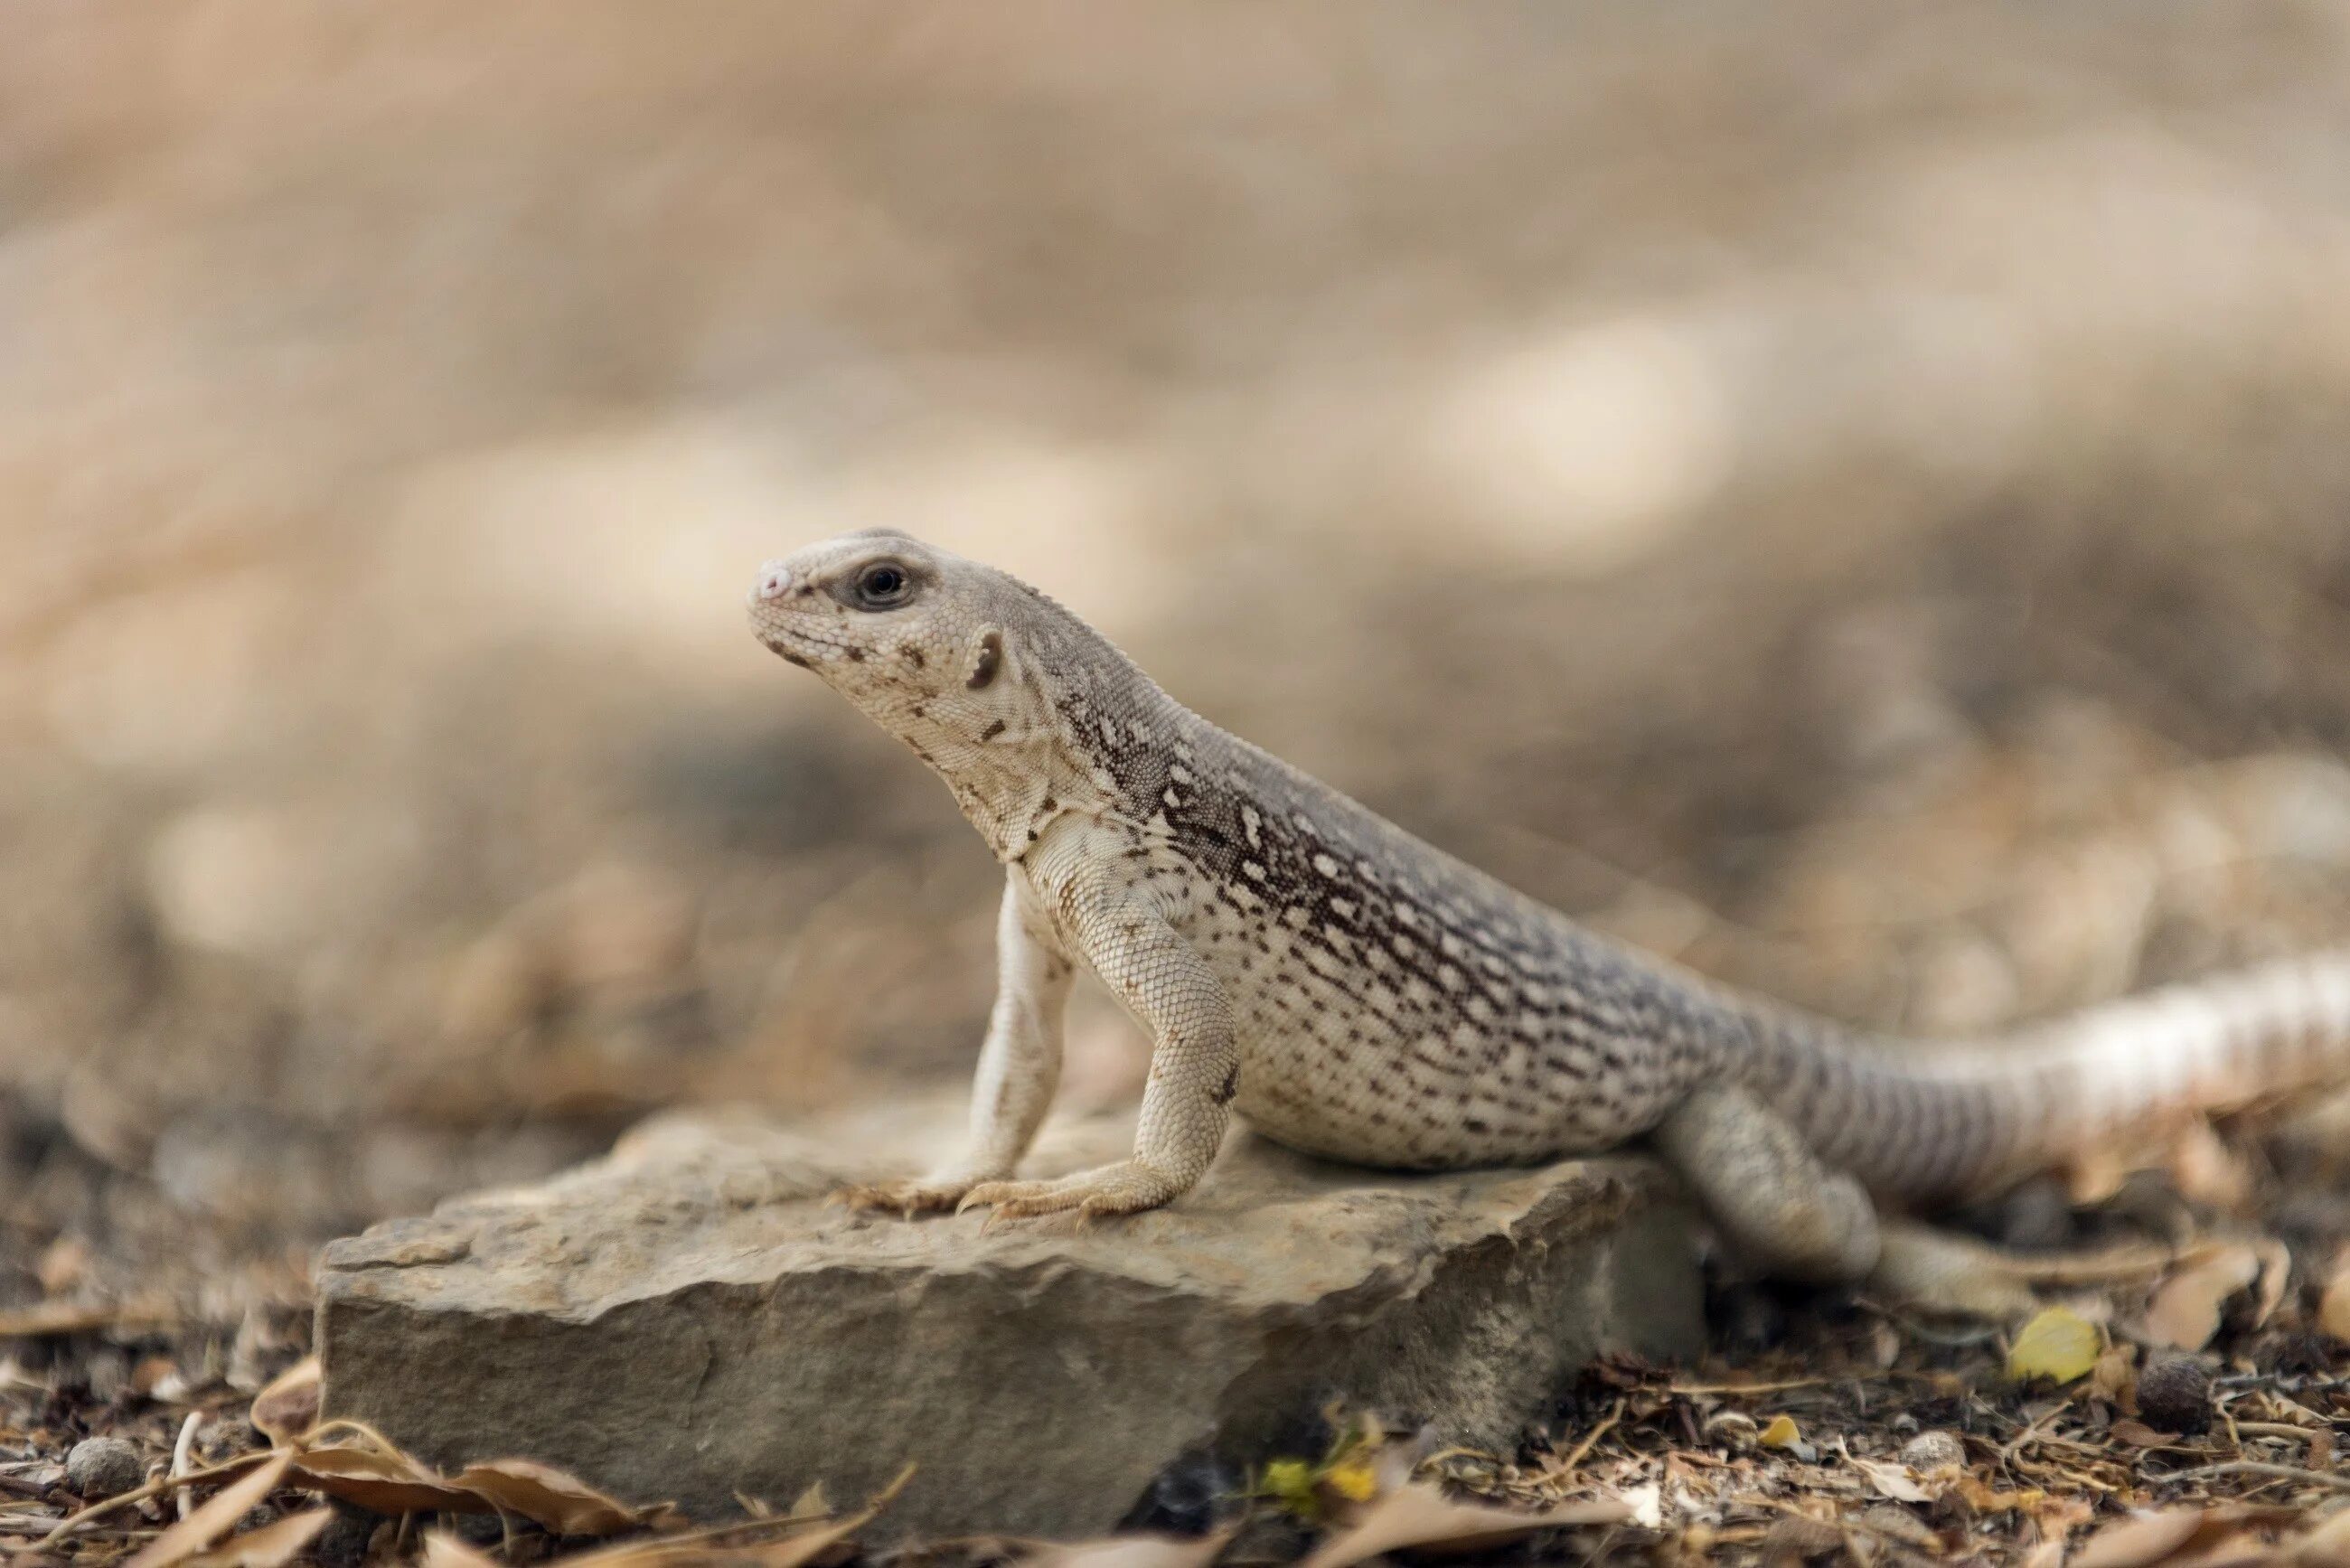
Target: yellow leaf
[(1782, 1433), (1290, 1482), (2059, 1345), (1353, 1478)]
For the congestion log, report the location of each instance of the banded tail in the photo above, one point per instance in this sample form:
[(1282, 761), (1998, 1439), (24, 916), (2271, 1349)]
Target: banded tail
[(1926, 1122)]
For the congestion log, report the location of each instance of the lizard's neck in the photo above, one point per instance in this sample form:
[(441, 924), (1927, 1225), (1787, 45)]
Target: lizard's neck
[(1088, 734)]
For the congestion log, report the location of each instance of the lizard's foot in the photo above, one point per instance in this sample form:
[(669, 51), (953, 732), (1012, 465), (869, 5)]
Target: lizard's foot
[(1952, 1276), (934, 1194), (1127, 1188)]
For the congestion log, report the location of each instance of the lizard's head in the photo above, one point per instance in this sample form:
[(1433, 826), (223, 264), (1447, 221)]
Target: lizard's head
[(949, 655)]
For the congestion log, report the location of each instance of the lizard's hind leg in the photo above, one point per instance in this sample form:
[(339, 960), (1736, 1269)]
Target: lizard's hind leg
[(1783, 1209), (1775, 1204)]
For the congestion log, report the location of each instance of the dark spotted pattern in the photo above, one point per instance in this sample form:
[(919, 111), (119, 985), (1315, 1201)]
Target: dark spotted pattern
[(1396, 1006)]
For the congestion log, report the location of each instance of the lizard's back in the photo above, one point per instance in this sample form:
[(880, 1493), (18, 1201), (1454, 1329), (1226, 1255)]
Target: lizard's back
[(1398, 1006)]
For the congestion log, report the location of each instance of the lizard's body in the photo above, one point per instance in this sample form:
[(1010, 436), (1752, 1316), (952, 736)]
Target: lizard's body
[(1356, 994)]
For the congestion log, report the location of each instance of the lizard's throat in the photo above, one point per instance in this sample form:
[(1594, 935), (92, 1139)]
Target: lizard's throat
[(1011, 796)]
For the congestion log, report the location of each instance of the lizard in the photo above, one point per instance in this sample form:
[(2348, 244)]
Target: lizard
[(1357, 994)]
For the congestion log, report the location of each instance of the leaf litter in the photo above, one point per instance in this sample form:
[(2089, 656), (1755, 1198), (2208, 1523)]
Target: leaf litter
[(1843, 1431)]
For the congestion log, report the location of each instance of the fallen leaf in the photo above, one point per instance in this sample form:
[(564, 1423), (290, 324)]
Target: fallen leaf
[(2058, 1344), (1135, 1552), (379, 1477), (2185, 1312), (442, 1550), (2206, 1170), (2327, 1546), (1985, 1499), (1355, 1478), (1417, 1515), (49, 1318), (697, 1549), (1891, 1480), (288, 1407), (1290, 1483), (1782, 1433), (2138, 1435), (215, 1519), (2115, 1377), (2276, 1272), (2138, 1540), (2216, 1537), (2334, 1306), (548, 1497), (271, 1546)]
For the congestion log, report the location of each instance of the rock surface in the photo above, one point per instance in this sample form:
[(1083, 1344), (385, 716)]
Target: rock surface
[(687, 1320)]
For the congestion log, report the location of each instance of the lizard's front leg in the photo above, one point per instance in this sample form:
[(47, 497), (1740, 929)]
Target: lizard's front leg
[(1194, 1065), (1019, 1064)]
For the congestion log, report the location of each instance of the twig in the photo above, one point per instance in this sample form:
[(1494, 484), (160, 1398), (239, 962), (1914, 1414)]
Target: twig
[(2025, 1436), (183, 1458), (1779, 1386), (2260, 1467), (158, 1487), (1590, 1440)]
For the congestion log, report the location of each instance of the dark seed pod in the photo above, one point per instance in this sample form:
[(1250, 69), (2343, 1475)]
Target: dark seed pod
[(2175, 1395)]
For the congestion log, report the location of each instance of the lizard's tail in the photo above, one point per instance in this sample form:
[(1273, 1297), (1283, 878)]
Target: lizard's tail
[(1927, 1121)]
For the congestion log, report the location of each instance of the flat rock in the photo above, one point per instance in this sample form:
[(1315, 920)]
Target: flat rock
[(687, 1320)]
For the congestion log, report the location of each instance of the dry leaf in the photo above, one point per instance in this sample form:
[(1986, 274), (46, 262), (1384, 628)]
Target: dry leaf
[(2206, 1170), (2115, 1377), (442, 1550), (2334, 1306), (214, 1519), (2057, 1344), (2327, 1546), (47, 1318), (386, 1481), (1417, 1515), (1891, 1480), (2139, 1540), (1135, 1552), (2138, 1435), (704, 1548), (288, 1407), (271, 1546), (2185, 1313), (2276, 1272), (2216, 1537), (1782, 1433)]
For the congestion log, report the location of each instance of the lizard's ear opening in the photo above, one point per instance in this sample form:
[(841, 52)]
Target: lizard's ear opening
[(986, 661)]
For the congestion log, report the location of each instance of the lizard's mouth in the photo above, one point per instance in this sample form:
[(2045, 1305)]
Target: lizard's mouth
[(789, 643), (774, 625)]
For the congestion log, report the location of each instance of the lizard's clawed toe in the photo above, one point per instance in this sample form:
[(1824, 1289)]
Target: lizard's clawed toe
[(904, 1199), (1126, 1188)]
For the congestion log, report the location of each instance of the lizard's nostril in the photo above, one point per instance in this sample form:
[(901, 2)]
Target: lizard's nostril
[(773, 583)]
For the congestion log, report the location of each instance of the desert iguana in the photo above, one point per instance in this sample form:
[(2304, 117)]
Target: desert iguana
[(1356, 994)]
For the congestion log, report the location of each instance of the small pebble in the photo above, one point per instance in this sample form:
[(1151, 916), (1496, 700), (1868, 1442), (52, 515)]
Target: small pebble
[(1932, 1450), (103, 1467), (2175, 1395)]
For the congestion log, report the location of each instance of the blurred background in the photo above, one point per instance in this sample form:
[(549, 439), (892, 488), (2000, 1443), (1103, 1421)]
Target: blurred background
[(1851, 497)]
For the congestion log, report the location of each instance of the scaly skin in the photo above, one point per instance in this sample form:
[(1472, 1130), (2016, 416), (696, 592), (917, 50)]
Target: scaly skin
[(1356, 994)]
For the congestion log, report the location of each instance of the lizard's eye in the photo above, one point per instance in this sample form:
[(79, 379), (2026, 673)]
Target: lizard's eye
[(882, 584)]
